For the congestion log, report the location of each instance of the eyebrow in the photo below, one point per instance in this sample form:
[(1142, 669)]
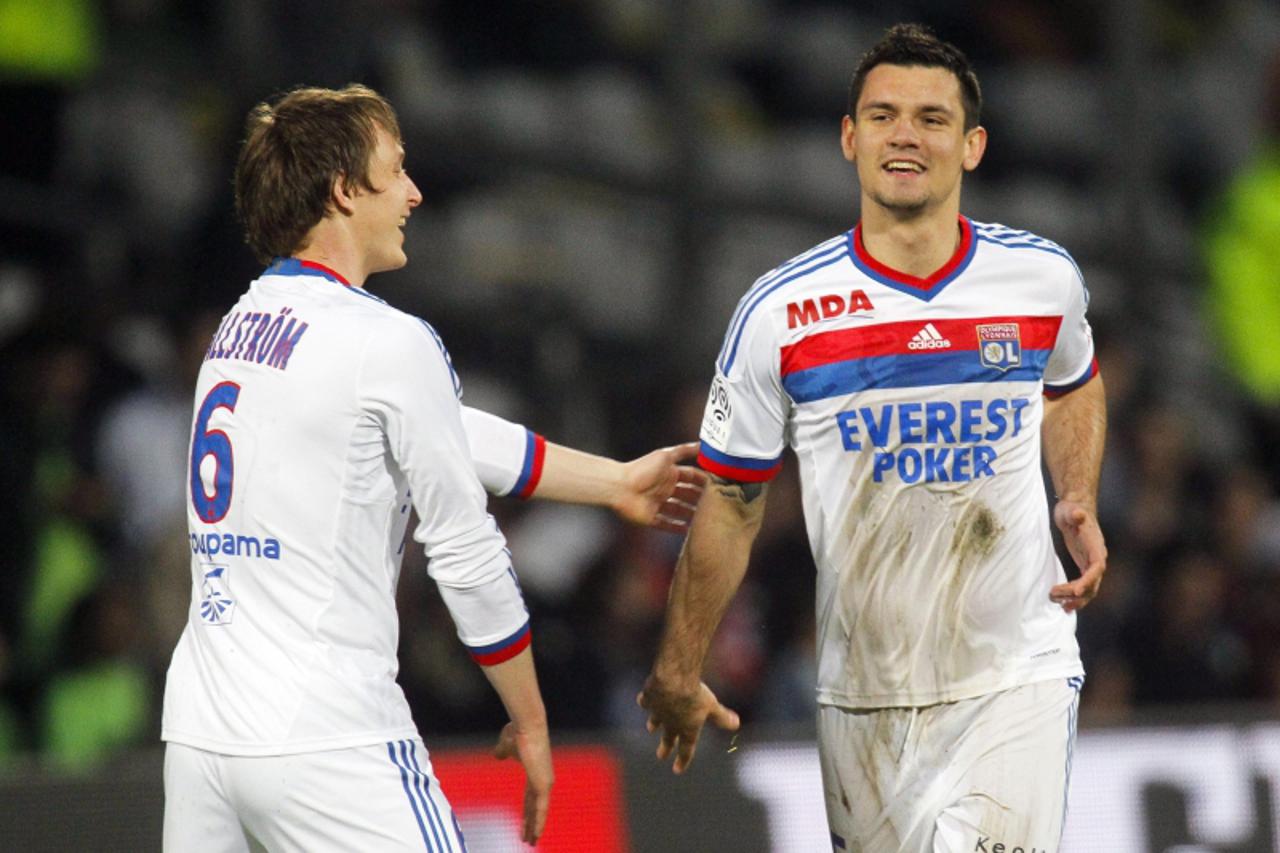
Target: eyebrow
[(891, 107)]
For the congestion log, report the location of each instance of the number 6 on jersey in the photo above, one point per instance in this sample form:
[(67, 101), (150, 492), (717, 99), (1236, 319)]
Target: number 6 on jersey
[(206, 442)]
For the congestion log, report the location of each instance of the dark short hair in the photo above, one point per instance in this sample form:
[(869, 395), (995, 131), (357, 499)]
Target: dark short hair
[(915, 44), (294, 149)]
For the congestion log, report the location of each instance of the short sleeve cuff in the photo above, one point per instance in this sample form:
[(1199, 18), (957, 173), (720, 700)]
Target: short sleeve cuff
[(737, 468), (1055, 391)]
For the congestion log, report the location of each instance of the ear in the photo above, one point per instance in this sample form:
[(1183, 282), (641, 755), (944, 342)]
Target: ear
[(847, 128), (975, 144), (341, 196)]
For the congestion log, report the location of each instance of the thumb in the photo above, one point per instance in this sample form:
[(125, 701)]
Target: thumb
[(724, 717), (506, 745)]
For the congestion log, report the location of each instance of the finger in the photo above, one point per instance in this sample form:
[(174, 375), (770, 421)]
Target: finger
[(1073, 589), (677, 507), (667, 744), (690, 475), (674, 508), (536, 805), (685, 452), (1076, 594), (684, 753), (674, 512), (725, 718), (689, 493), (669, 525)]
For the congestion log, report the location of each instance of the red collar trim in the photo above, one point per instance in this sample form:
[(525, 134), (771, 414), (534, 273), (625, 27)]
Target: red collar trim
[(961, 254), (322, 269)]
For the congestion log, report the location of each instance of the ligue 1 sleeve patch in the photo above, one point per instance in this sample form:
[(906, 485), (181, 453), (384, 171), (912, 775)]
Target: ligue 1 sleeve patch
[(216, 604), (1000, 345), (718, 417)]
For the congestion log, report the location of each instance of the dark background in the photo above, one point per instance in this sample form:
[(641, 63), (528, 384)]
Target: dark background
[(602, 180)]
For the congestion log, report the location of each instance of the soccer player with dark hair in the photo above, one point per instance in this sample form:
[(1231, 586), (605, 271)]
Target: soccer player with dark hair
[(921, 366)]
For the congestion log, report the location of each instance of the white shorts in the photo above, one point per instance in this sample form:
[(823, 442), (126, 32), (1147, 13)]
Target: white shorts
[(369, 798), (983, 774)]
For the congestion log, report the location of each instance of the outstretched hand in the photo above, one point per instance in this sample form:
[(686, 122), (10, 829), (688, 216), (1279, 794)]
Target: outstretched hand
[(659, 491), (1083, 538), (533, 750), (678, 718)]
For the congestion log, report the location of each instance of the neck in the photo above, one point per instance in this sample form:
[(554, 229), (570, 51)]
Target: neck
[(917, 246), (328, 245)]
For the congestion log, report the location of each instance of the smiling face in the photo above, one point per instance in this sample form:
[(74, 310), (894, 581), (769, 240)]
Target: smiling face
[(379, 214), (908, 141)]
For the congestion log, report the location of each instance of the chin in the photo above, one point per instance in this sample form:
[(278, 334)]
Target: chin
[(902, 206), (393, 261)]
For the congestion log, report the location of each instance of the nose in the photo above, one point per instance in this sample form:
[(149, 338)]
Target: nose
[(904, 133), (415, 195)]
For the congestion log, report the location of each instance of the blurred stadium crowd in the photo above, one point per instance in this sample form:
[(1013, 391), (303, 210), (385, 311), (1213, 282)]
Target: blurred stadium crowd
[(603, 179)]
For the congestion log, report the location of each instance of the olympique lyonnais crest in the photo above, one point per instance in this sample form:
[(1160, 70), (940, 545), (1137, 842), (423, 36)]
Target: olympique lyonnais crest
[(1000, 345)]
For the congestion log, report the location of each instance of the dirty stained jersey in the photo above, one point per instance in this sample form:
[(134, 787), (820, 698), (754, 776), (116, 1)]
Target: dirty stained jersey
[(914, 408)]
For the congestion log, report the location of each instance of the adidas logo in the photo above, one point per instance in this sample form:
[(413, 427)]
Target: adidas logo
[(928, 338)]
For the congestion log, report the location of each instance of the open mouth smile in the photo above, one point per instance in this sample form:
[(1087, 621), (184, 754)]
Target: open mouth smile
[(903, 167)]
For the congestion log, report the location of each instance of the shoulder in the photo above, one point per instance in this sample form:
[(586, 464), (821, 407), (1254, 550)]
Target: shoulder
[(402, 339), (812, 267), (805, 266), (1024, 245), (392, 326)]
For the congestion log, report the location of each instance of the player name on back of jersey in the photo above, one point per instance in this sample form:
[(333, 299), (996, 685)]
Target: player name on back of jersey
[(258, 336)]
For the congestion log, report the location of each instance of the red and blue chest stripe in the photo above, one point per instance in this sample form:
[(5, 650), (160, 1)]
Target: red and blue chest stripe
[(863, 358)]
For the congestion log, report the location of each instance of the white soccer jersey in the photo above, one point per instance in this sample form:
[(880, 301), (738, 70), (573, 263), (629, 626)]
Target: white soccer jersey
[(914, 408), (321, 416)]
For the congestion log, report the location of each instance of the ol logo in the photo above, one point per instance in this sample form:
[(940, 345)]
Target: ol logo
[(1000, 345)]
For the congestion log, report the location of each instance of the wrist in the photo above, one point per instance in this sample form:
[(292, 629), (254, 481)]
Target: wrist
[(617, 476), (673, 681), (532, 723)]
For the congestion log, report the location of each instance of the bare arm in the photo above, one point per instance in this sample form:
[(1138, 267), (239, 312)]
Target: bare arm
[(708, 574), (653, 490), (526, 737), (1073, 435)]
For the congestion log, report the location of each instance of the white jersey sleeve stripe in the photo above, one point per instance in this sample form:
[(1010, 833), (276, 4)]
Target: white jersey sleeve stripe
[(448, 360), (831, 256)]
